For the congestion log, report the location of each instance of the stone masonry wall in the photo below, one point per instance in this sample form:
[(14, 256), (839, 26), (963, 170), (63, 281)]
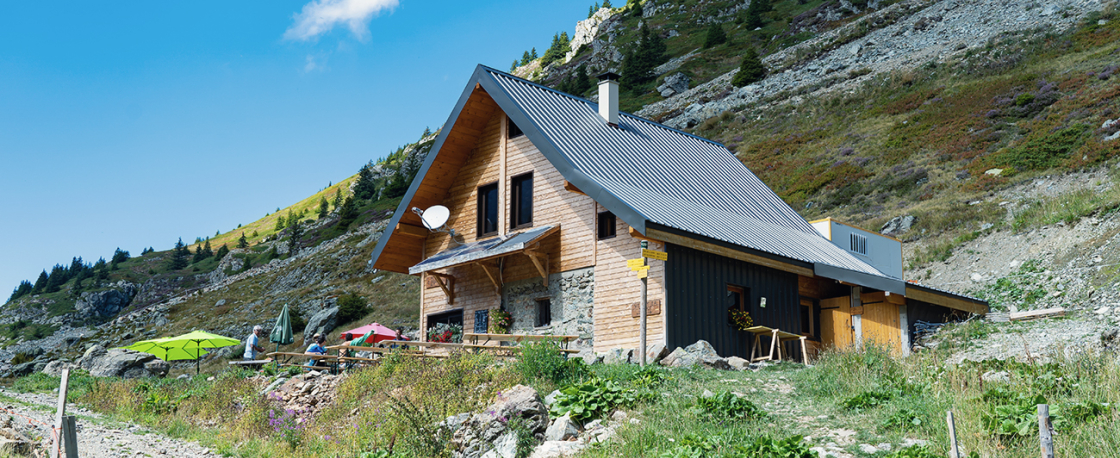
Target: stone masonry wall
[(573, 296)]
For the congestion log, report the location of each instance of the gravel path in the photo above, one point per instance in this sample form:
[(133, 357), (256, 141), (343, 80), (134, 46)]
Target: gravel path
[(97, 437)]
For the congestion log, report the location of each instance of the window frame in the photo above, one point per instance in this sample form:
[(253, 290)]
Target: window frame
[(516, 184), (482, 209), (857, 243), (512, 130), (599, 225)]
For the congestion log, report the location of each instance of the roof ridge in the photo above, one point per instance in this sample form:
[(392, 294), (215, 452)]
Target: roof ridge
[(620, 113)]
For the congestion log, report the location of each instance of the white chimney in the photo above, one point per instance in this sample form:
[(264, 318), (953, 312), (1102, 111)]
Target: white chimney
[(608, 98)]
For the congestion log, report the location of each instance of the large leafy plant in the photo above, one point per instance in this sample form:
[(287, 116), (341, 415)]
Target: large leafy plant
[(726, 405), (591, 399)]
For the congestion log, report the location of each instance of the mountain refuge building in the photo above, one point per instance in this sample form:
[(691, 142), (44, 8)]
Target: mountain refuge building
[(549, 195)]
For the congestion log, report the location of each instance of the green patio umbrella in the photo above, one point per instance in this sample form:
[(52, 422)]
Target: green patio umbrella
[(194, 342), (282, 331), (165, 351)]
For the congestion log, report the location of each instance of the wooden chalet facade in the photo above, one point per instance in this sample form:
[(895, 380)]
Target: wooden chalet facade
[(548, 200)]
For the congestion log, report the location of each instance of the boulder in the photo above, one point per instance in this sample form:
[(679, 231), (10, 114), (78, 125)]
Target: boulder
[(674, 84), (561, 429), (715, 363), (656, 352), (738, 363), (679, 358), (702, 349), (320, 323), (485, 431), (701, 353), (504, 447), (618, 356), (20, 370), (1110, 338), (14, 443), (104, 304), (54, 368), (557, 449), (123, 363), (898, 225)]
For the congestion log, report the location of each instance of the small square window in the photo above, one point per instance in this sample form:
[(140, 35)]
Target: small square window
[(607, 225), (488, 210), (512, 129), (858, 244), (521, 201), (544, 312)]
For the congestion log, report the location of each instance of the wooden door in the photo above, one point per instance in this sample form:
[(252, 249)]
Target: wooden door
[(836, 322), (881, 325)]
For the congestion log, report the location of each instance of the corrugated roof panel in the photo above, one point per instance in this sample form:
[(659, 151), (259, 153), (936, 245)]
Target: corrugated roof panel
[(674, 179)]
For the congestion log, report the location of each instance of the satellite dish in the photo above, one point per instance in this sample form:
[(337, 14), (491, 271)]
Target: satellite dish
[(435, 217)]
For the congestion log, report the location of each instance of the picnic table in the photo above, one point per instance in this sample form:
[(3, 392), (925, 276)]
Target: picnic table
[(777, 337), (473, 339)]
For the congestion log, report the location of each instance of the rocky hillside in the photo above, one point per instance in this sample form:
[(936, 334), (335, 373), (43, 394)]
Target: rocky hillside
[(228, 292)]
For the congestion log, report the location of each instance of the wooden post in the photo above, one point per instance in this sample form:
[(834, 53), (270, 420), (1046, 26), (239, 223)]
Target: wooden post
[(70, 436), (58, 417), (642, 307), (954, 450), (1045, 431)]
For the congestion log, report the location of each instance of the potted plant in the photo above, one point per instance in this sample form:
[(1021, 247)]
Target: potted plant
[(739, 319), (500, 321)]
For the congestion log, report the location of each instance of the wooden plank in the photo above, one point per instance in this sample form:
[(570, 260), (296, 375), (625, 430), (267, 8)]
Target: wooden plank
[(836, 322), (1032, 314), (882, 296), (540, 260), (946, 301), (492, 271), (727, 252), (409, 230), (572, 188)]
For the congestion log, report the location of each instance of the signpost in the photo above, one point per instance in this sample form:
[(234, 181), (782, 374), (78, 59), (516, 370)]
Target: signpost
[(642, 269)]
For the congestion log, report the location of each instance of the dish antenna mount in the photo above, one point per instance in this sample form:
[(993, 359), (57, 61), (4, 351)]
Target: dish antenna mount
[(435, 219)]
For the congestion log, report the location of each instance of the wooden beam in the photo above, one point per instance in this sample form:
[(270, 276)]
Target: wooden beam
[(568, 186), (946, 301), (446, 283), (638, 235), (541, 261), (492, 271), (409, 230), (1032, 314), (675, 239)]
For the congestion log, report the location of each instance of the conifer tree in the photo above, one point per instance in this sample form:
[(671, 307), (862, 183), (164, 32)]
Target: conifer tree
[(525, 58), (337, 198), (23, 289), (291, 220), (242, 242), (590, 11), (279, 223), (641, 59), (222, 251), (533, 54), (751, 69), (206, 249), (366, 188), (513, 67), (178, 256), (294, 243), (120, 256), (754, 18), (582, 81), (347, 214), (715, 35), (607, 4), (56, 278), (248, 264), (324, 207)]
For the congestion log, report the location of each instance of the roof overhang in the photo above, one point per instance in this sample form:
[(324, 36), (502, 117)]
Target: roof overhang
[(485, 250)]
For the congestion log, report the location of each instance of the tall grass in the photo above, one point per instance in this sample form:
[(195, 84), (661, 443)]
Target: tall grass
[(1067, 208)]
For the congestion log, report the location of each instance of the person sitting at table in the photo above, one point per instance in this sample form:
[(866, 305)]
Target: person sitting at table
[(400, 336), (345, 353), (316, 348)]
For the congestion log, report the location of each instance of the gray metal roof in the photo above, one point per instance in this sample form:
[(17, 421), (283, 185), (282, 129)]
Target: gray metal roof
[(670, 178), (482, 249)]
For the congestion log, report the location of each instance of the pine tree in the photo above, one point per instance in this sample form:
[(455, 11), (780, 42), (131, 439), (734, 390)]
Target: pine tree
[(513, 67), (242, 242), (525, 59), (533, 54), (120, 256), (324, 207), (294, 243), (23, 289), (641, 59), (291, 219), (366, 187), (41, 283), (590, 11), (279, 223), (56, 279), (715, 35), (347, 214), (607, 4), (337, 198), (582, 81), (222, 251), (248, 264), (754, 18), (751, 69), (178, 256)]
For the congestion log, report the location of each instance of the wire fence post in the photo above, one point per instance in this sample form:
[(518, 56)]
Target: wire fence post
[(954, 450), (58, 417), (1045, 431)]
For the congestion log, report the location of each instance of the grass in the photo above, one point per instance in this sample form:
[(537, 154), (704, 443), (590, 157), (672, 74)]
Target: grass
[(1067, 208)]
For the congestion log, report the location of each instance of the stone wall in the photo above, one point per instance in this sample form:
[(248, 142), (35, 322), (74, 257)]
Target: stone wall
[(572, 294)]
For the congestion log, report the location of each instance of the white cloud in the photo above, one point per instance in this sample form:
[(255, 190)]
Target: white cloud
[(313, 64), (320, 16)]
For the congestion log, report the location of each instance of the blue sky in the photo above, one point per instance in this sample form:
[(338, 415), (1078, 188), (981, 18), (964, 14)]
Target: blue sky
[(134, 123)]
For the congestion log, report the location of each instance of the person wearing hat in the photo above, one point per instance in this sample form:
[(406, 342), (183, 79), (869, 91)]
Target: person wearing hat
[(252, 344), (316, 348)]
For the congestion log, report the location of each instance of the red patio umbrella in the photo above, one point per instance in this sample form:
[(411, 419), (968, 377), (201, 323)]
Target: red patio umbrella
[(378, 333)]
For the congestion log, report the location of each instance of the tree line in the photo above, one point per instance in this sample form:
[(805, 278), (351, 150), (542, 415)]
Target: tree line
[(77, 270)]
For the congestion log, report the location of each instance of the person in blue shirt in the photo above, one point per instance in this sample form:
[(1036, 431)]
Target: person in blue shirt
[(316, 348), (253, 344)]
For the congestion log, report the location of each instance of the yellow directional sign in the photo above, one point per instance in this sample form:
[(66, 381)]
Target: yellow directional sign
[(643, 273), (638, 268), (658, 255), (632, 263)]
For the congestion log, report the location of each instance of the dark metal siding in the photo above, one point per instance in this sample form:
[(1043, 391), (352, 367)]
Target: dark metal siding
[(696, 299)]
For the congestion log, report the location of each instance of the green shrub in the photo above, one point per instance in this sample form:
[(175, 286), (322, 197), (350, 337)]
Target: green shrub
[(543, 361), (589, 400), (767, 447), (725, 405), (867, 399), (351, 307), (914, 452)]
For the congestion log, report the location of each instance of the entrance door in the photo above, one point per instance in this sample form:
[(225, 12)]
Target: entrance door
[(837, 329)]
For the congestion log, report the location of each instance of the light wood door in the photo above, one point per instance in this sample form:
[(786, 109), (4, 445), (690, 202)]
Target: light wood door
[(881, 325), (836, 322)]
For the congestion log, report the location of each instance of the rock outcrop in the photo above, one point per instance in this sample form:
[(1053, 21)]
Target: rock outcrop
[(487, 434), (320, 323), (119, 362), (105, 304)]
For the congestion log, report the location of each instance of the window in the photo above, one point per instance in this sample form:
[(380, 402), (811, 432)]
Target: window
[(859, 243), (808, 321), (512, 129), (606, 225), (544, 312), (488, 210), (736, 302), (521, 203)]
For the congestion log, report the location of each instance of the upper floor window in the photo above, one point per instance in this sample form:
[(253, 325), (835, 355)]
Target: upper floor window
[(858, 243), (606, 225), (512, 129), (488, 210), (521, 201)]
